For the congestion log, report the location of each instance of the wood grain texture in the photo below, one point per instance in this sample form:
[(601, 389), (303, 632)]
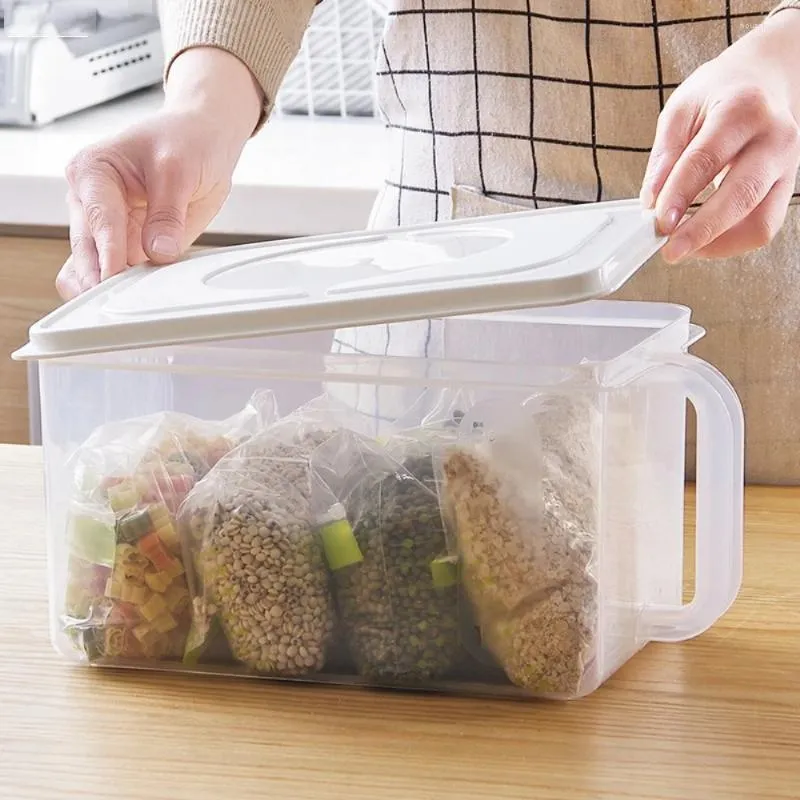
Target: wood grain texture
[(715, 718), (28, 269)]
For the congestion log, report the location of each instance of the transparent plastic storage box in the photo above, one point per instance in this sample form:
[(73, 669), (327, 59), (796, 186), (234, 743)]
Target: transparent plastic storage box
[(429, 458)]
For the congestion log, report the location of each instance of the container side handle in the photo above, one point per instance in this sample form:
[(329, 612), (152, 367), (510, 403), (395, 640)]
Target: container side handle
[(720, 501)]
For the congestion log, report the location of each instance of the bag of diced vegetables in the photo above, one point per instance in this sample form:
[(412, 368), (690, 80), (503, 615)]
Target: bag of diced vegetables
[(125, 595)]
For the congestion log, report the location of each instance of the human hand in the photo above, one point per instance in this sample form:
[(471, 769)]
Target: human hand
[(734, 122), (149, 192)]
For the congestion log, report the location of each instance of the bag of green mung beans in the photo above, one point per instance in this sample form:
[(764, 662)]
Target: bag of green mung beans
[(395, 581)]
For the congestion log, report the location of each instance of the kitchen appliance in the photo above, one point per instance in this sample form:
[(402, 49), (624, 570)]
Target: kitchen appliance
[(63, 56)]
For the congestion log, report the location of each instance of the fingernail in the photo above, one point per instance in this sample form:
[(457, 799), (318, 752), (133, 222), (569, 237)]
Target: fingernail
[(166, 246), (670, 221), (677, 249)]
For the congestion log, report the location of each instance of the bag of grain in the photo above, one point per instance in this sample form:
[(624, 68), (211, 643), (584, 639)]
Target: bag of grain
[(394, 577), (258, 569), (520, 488)]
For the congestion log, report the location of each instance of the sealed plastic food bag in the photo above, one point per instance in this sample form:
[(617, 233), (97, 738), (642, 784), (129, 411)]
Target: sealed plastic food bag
[(259, 572), (384, 539), (520, 490), (126, 592)]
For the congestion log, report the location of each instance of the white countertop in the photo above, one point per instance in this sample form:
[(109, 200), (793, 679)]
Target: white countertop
[(297, 177)]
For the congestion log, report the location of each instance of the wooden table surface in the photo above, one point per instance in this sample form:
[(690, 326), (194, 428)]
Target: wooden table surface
[(718, 717)]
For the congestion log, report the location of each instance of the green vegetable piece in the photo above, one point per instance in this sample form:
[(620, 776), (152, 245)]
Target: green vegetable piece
[(93, 539), (340, 545), (198, 640), (88, 480), (133, 526), (91, 644), (122, 496), (444, 571)]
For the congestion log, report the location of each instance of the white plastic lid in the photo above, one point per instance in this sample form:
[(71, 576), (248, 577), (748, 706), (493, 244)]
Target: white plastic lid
[(514, 261)]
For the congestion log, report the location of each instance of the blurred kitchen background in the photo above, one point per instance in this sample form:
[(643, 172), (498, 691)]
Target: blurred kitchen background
[(73, 72)]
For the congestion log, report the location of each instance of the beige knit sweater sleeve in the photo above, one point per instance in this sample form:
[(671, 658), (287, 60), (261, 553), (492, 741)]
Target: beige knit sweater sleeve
[(264, 34)]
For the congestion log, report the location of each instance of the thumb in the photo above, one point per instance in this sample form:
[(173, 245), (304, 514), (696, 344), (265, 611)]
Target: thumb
[(164, 229)]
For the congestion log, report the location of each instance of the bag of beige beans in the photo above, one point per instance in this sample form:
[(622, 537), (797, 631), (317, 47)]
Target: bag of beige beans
[(259, 576)]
